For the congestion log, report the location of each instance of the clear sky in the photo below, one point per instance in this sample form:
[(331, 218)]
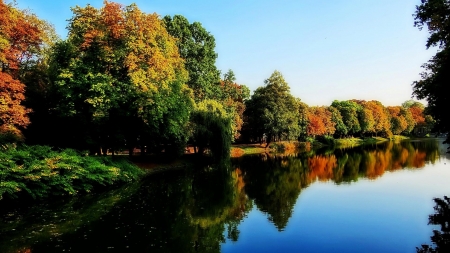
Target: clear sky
[(326, 50)]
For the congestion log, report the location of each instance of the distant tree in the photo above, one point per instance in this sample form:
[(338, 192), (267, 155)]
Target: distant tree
[(303, 111), (336, 117), (233, 97), (433, 86), (270, 110), (349, 111), (320, 121), (398, 121)]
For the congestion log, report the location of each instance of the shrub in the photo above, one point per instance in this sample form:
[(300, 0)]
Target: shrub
[(40, 171)]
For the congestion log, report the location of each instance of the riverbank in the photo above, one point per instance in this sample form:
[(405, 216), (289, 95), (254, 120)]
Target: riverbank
[(367, 140)]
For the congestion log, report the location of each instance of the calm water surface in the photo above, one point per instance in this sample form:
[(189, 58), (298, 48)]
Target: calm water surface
[(367, 199)]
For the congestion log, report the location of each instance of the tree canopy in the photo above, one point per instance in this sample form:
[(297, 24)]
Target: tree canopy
[(120, 76), (435, 79), (271, 110)]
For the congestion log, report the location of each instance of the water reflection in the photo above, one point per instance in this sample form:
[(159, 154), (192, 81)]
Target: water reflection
[(274, 182), (184, 211), (197, 210)]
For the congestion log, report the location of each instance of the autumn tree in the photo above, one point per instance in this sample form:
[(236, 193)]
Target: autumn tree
[(381, 118), (320, 122), (120, 78), (270, 110), (433, 85), (233, 97), (398, 121), (22, 38)]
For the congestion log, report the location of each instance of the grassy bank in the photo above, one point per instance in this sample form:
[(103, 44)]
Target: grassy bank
[(368, 140), (39, 171)]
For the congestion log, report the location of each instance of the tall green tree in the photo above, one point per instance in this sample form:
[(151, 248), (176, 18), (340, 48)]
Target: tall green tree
[(435, 80), (271, 110), (197, 47)]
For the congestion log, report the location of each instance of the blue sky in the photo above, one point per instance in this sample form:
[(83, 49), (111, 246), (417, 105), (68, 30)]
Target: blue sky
[(326, 50)]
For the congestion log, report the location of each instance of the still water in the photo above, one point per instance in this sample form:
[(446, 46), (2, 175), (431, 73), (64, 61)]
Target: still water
[(375, 198)]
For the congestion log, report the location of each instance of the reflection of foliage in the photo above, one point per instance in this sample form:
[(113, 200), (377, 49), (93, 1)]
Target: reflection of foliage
[(51, 220), (440, 239), (274, 183), (176, 211)]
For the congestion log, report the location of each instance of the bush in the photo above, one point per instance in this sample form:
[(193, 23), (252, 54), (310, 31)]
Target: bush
[(326, 139), (40, 171)]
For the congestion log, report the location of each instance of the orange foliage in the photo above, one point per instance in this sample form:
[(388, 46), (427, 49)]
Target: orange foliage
[(237, 152), (321, 167), (20, 36), (419, 159), (377, 163), (417, 114), (12, 114), (319, 122)]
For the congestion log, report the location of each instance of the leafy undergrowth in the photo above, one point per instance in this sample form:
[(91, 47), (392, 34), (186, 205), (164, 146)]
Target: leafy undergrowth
[(39, 171)]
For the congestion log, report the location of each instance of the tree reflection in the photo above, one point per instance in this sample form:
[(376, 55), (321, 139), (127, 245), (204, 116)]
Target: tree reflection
[(197, 210), (274, 182), (176, 211), (441, 218)]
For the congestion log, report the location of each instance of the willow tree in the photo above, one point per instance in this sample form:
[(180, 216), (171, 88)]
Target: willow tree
[(120, 78), (211, 127)]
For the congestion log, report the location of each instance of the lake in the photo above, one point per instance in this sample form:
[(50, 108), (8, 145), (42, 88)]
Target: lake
[(372, 198)]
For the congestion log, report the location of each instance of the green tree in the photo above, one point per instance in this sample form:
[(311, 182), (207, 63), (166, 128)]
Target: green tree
[(435, 15), (270, 110), (349, 111), (196, 46), (120, 77), (336, 117), (303, 122), (211, 126)]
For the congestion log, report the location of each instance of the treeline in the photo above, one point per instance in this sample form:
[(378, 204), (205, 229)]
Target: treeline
[(125, 79), (273, 114)]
